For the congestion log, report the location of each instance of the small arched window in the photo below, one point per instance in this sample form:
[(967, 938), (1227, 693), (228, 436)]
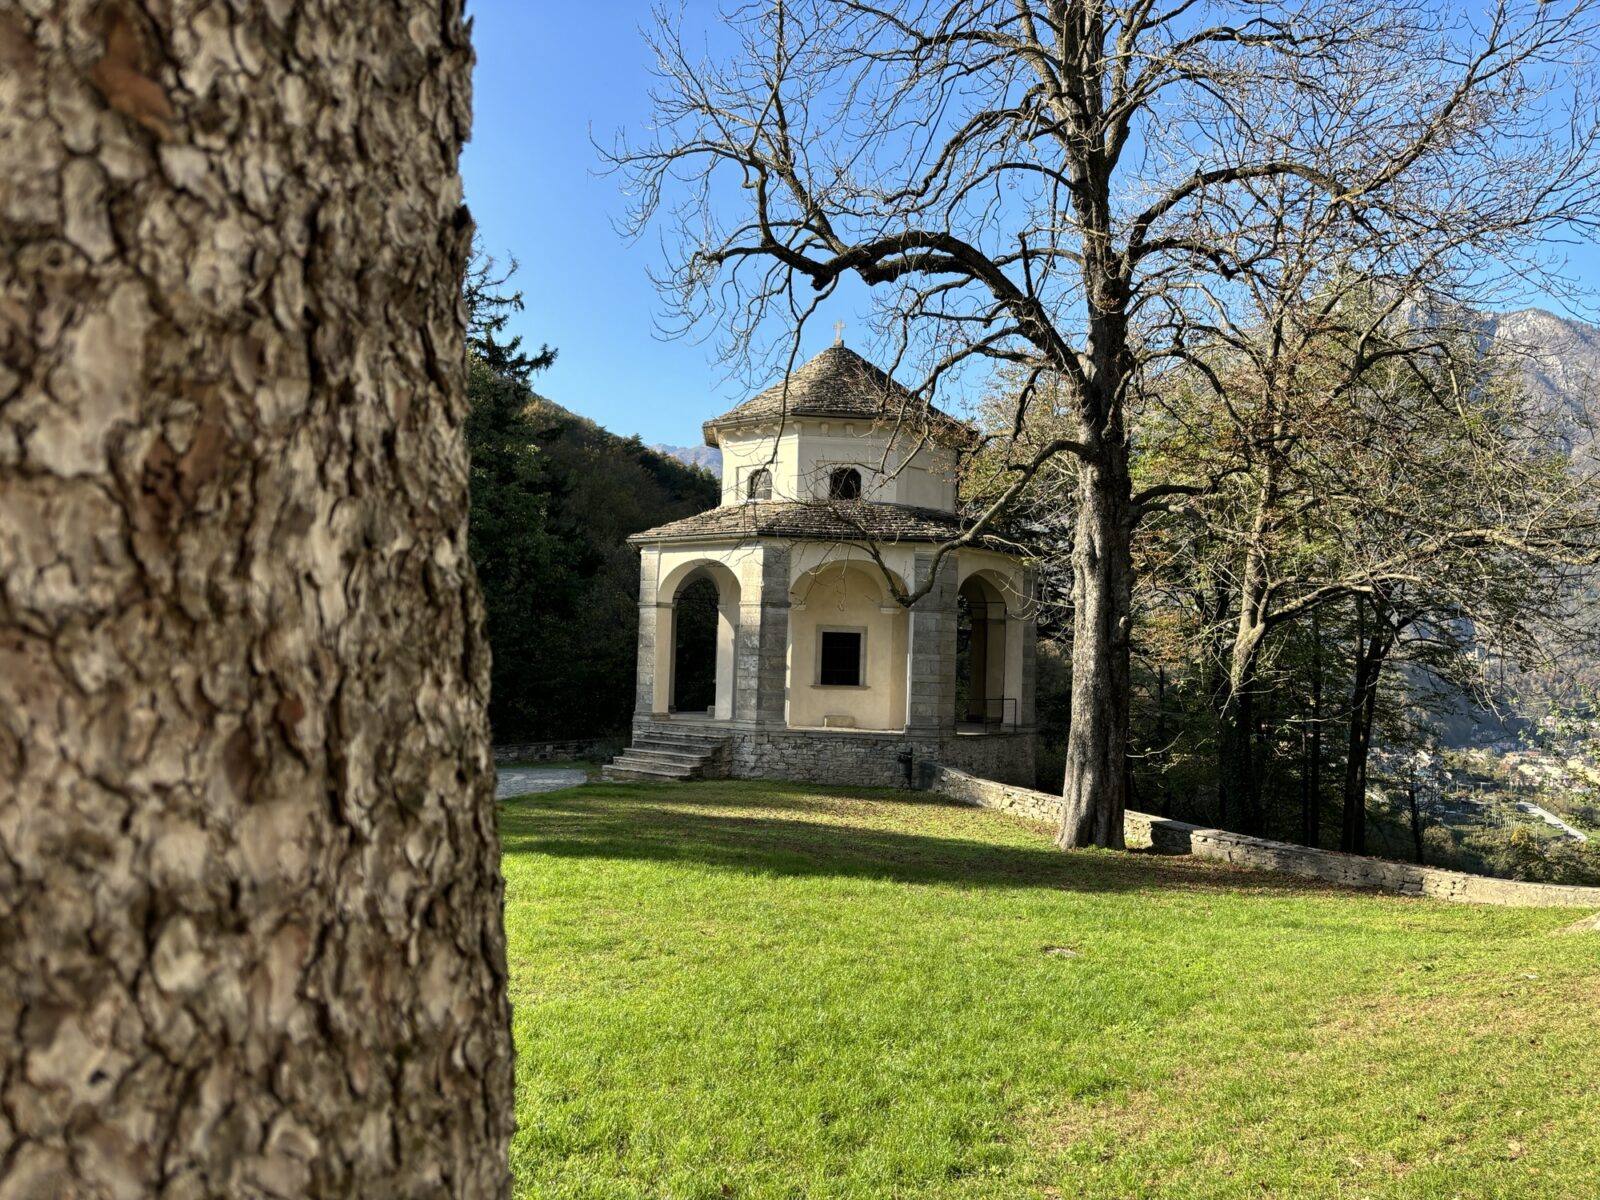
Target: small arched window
[(844, 484), (759, 485)]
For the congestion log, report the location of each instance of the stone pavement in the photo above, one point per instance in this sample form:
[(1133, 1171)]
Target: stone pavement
[(525, 781)]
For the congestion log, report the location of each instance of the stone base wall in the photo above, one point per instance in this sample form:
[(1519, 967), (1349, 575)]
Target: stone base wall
[(592, 748), (860, 757), (1350, 870), (986, 793)]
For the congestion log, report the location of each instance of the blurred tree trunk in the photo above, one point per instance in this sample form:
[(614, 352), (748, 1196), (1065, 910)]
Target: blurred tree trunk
[(251, 936)]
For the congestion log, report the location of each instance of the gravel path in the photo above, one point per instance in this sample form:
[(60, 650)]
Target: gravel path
[(525, 781)]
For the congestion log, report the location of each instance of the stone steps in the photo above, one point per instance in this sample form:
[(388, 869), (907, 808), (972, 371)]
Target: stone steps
[(668, 757), (671, 758), (674, 745)]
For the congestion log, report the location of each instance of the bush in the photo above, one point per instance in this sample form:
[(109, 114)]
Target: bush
[(1524, 854)]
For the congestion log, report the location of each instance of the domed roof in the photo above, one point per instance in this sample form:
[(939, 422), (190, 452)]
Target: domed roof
[(840, 383)]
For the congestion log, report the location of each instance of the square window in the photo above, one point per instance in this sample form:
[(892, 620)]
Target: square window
[(840, 659)]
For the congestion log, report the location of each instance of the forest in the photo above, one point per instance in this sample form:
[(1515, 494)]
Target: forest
[(554, 499)]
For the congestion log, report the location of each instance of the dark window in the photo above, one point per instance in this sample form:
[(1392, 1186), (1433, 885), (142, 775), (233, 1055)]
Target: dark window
[(841, 659), (759, 485), (844, 484)]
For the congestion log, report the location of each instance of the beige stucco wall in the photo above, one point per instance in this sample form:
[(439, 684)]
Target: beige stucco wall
[(830, 585), (805, 453), (846, 595)]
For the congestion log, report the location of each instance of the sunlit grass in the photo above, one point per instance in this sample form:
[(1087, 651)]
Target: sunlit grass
[(759, 990)]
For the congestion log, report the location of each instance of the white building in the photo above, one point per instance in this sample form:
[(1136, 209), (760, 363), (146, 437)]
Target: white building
[(774, 640)]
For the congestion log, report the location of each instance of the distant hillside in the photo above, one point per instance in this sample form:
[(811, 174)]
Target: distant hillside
[(707, 457), (575, 673), (1560, 362)]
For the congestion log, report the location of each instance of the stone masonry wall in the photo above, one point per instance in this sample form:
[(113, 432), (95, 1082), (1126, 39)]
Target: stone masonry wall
[(986, 793), (868, 759), (595, 748), (1350, 870)]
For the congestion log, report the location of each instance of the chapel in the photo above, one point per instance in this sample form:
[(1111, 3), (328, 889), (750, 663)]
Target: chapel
[(774, 640)]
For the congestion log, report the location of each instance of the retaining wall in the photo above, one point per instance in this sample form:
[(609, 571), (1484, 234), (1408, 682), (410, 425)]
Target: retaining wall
[(596, 748), (860, 757), (872, 759), (1141, 830)]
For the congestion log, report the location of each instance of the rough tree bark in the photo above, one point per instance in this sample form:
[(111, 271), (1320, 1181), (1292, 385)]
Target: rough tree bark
[(1095, 791), (251, 938)]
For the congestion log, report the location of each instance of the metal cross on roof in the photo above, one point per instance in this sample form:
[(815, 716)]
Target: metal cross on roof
[(838, 333)]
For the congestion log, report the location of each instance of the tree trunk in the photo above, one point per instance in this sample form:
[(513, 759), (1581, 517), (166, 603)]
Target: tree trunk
[(1311, 818), (1238, 787), (1268, 788), (1164, 809), (251, 936), (1095, 789), (1416, 821), (1236, 769), (1370, 655)]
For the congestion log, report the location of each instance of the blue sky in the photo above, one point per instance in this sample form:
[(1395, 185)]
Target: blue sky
[(546, 73), (549, 72)]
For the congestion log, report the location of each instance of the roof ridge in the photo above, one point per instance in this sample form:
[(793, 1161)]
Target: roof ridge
[(837, 382)]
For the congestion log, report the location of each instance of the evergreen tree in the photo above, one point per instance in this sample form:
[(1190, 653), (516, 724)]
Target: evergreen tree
[(554, 500)]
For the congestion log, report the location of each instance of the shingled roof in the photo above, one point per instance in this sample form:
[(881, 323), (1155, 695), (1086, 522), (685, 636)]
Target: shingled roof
[(834, 520), (840, 383)]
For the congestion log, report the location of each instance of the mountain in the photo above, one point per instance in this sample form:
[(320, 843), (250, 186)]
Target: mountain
[(1560, 360), (707, 458), (1560, 363)]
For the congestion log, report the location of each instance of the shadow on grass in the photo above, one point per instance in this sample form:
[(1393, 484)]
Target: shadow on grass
[(649, 825)]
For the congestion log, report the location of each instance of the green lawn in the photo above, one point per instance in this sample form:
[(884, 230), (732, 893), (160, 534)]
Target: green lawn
[(757, 990)]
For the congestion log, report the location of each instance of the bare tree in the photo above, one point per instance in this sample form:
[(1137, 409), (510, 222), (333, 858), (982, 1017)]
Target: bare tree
[(251, 936), (1063, 185), (1370, 454)]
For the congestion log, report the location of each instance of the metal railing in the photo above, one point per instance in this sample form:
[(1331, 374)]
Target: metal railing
[(999, 712)]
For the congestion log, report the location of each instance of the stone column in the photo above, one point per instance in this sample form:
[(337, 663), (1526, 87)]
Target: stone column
[(761, 669), (645, 672), (931, 684), (728, 621)]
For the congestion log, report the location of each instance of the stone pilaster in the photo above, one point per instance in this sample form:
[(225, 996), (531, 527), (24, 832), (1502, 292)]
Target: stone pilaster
[(761, 656), (931, 683)]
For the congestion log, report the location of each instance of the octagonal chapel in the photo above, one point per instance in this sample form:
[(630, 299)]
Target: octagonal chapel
[(772, 643)]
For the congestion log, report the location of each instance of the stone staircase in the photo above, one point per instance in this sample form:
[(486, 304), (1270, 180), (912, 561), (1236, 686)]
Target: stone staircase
[(669, 755)]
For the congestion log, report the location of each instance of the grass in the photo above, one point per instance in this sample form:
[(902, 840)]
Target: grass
[(760, 991)]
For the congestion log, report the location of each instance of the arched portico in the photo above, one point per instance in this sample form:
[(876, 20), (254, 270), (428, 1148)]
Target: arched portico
[(668, 645), (989, 645)]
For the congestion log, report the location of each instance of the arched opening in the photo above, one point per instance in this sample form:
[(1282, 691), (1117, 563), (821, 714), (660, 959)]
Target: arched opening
[(697, 620), (759, 485), (981, 656), (844, 484), (694, 648)]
